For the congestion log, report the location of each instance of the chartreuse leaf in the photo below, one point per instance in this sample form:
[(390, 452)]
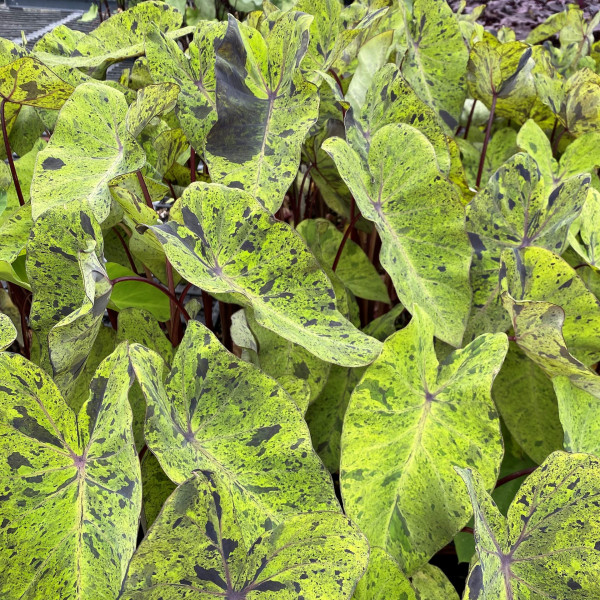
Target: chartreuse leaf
[(301, 374), (436, 59), (71, 493), (354, 269), (194, 74), (265, 108), (538, 332), (90, 146), (515, 210), (228, 243), (430, 583), (420, 219), (383, 580), (151, 101), (547, 546), (216, 411), (536, 274), (24, 167), (71, 290), (534, 424), (27, 81), (198, 548), (579, 417), (156, 488), (138, 326), (583, 235), (120, 37), (409, 421), (8, 332)]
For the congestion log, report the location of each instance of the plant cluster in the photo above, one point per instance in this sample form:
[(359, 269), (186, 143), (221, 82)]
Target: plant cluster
[(318, 244)]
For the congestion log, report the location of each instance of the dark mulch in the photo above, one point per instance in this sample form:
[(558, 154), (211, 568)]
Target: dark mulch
[(523, 15)]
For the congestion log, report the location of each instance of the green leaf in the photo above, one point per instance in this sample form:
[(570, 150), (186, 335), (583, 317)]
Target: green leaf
[(151, 101), (547, 545), (194, 74), (583, 235), (69, 515), (197, 548), (8, 332), (515, 210), (24, 167), (71, 290), (28, 81), (301, 374), (410, 420), (156, 488), (383, 580), (430, 583), (228, 243), (579, 417), (538, 275), (354, 269), (420, 220), (14, 232), (217, 412), (136, 294), (436, 59), (534, 424), (118, 38), (90, 146), (265, 108)]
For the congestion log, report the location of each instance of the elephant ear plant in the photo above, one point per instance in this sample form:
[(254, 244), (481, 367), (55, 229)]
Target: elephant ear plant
[(301, 306)]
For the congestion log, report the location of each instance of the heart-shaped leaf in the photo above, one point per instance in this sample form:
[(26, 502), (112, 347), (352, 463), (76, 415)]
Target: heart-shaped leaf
[(515, 210), (89, 147), (547, 546), (265, 108), (430, 583), (194, 74), (409, 421), (28, 81), (420, 219), (436, 59), (151, 101), (70, 484), (216, 411), (197, 548), (228, 243)]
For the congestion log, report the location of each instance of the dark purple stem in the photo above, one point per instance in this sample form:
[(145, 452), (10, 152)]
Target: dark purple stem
[(468, 126), (144, 189), (126, 248), (515, 475), (193, 165), (344, 240), (7, 147), (488, 132)]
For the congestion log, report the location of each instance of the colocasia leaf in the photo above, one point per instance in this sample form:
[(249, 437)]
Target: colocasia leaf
[(70, 485), (217, 412), (538, 275), (410, 420), (194, 74), (71, 290), (547, 546), (151, 101), (118, 38), (197, 549), (90, 146), (383, 580), (420, 219), (436, 59), (515, 210), (8, 332), (228, 243), (430, 583), (265, 108)]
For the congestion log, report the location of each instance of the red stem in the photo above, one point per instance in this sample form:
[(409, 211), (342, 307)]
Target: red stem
[(126, 248), (158, 286), (144, 189), (515, 475), (468, 126), (207, 302), (11, 163), (174, 315), (343, 242), (193, 165), (486, 140)]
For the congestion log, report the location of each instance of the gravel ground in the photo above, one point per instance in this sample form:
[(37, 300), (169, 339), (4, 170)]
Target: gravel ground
[(523, 15)]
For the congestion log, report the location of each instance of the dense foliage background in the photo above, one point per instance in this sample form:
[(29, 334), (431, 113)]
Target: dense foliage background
[(297, 306)]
